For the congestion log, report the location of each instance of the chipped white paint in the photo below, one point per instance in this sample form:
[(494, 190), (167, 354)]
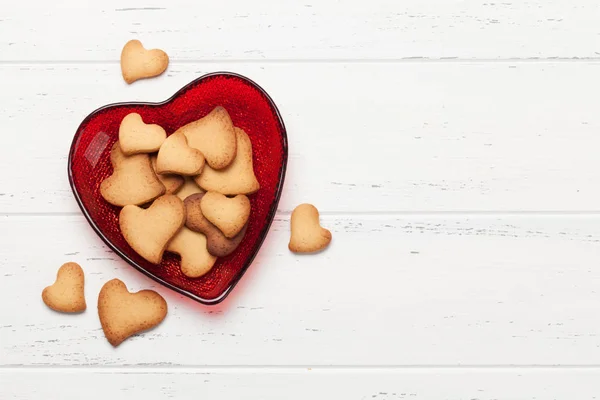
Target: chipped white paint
[(451, 146), (308, 29), (303, 383), (415, 290), (385, 137)]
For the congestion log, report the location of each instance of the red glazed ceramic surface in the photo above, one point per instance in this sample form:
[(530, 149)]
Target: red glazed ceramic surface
[(250, 108)]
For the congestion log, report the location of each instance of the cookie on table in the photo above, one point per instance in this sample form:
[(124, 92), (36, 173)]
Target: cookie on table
[(136, 137), (123, 314), (214, 136), (307, 235), (133, 180), (67, 293), (237, 178), (139, 63), (148, 231)]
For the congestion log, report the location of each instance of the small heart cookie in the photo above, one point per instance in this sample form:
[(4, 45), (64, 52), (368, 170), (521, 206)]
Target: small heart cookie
[(307, 234), (139, 63), (133, 180), (195, 258), (228, 214), (238, 178), (217, 243), (176, 157), (123, 314), (136, 137), (214, 136), (148, 231), (66, 294), (172, 183)]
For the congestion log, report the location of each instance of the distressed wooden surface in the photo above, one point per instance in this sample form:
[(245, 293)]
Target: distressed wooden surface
[(303, 383), (450, 145), (417, 290), (385, 137), (309, 29)]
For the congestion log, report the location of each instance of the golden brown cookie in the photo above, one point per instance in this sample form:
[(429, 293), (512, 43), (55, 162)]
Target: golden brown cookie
[(238, 178), (176, 157), (195, 258), (217, 243), (148, 231), (133, 180), (307, 234), (139, 63), (189, 187), (214, 136), (137, 137), (124, 314), (228, 214), (66, 294), (172, 182)]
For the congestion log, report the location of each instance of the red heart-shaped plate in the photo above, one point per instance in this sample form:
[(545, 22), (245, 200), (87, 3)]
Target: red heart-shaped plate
[(250, 108)]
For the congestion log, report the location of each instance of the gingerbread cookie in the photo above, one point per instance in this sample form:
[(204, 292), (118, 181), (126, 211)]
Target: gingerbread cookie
[(307, 234), (228, 214), (137, 137), (124, 314), (217, 243), (189, 188), (238, 178), (176, 157), (133, 180), (139, 63), (148, 231), (214, 136), (195, 258), (171, 182), (66, 294)]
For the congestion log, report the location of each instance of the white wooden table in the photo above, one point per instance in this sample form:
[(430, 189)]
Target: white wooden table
[(452, 147)]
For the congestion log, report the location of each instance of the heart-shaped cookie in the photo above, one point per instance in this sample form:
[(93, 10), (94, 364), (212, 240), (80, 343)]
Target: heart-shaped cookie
[(67, 293), (124, 314), (176, 157), (139, 63), (217, 243), (307, 234), (172, 183), (228, 214), (195, 258), (136, 137), (250, 108), (133, 180), (148, 231), (214, 136), (237, 178)]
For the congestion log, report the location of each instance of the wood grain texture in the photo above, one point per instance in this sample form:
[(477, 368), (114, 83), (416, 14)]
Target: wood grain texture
[(269, 384), (414, 291), (381, 137), (326, 29)]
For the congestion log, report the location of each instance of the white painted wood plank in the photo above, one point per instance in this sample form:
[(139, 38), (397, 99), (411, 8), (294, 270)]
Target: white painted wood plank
[(413, 291), (380, 137), (434, 384), (327, 29)]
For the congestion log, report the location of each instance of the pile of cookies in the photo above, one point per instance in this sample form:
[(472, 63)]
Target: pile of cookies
[(185, 193)]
